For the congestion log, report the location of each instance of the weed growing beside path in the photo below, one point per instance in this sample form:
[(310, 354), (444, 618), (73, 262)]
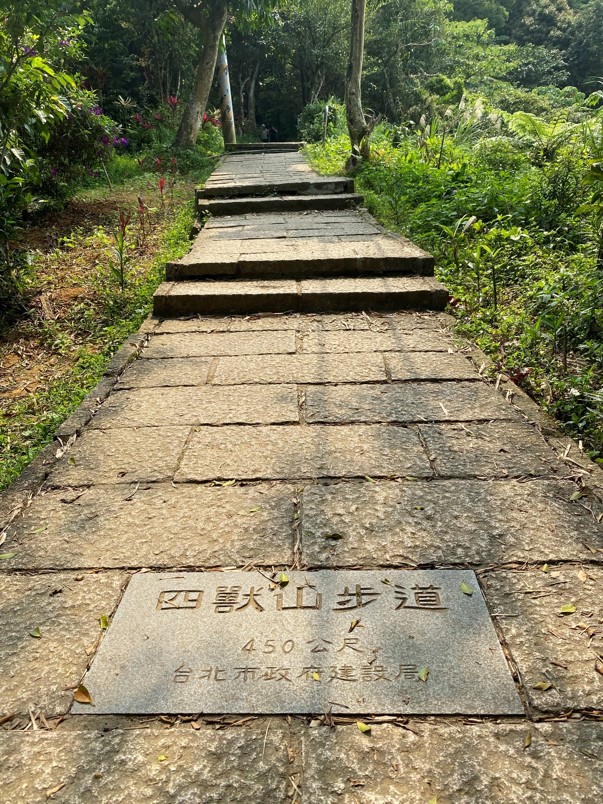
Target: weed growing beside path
[(77, 313), (514, 248)]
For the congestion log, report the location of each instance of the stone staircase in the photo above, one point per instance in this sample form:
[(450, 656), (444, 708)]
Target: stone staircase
[(281, 238)]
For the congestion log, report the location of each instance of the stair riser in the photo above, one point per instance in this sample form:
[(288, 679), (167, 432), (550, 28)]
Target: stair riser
[(174, 306), (302, 269), (289, 188), (247, 206), (262, 147)]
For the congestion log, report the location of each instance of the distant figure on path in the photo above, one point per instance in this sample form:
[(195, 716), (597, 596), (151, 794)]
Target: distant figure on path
[(272, 134), (263, 133)]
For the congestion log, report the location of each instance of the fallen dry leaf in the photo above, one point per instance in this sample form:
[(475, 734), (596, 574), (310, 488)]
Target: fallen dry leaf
[(50, 793), (81, 695)]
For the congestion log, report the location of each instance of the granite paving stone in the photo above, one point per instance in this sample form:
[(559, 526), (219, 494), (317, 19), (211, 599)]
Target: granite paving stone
[(120, 766), (454, 764), (429, 366), (424, 341), (298, 452), (549, 647), (403, 322), (172, 626), (495, 449), (300, 368), (121, 456), (43, 671), (166, 526), (445, 522), (157, 373), (220, 343), (245, 404), (449, 401)]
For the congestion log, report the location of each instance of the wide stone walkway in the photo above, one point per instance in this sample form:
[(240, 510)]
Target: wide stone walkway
[(356, 440)]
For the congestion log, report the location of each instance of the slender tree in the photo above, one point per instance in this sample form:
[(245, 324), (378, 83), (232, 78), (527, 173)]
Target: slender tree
[(358, 128)]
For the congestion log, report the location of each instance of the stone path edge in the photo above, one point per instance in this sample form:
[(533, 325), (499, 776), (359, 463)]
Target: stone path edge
[(560, 442), (15, 498)]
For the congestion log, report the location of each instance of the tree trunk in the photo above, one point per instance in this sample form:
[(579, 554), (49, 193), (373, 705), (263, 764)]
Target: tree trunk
[(211, 28), (226, 112), (357, 126), (251, 105)]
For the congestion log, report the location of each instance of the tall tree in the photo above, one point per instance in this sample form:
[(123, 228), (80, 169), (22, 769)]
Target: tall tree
[(209, 16), (357, 125)]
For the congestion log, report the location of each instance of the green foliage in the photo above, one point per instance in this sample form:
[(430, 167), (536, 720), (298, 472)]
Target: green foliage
[(45, 119), (514, 216), (311, 123), (100, 328)]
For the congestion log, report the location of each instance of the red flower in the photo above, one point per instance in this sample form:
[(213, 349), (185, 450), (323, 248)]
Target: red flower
[(161, 185)]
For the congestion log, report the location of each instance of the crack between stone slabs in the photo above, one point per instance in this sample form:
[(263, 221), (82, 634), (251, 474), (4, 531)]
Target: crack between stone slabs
[(102, 724), (211, 373), (185, 446), (272, 568), (321, 479), (509, 658), (298, 502)]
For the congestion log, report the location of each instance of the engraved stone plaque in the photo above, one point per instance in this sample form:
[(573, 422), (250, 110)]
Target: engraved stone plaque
[(383, 642)]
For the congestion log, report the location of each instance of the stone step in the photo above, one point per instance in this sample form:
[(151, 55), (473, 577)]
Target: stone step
[(262, 147), (276, 203), (311, 185), (173, 299), (298, 245)]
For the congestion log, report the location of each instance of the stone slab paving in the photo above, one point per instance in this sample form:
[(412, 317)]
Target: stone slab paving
[(454, 764), (445, 522), (126, 455), (221, 343), (556, 653), (342, 341), (281, 443), (193, 405), (249, 764), (492, 449), (251, 453), (166, 526), (361, 322), (457, 401), (42, 672)]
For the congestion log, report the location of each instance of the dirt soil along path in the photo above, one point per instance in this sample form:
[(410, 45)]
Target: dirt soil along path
[(303, 435)]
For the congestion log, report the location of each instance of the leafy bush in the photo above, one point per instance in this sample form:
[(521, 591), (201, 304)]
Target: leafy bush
[(517, 234), (311, 122)]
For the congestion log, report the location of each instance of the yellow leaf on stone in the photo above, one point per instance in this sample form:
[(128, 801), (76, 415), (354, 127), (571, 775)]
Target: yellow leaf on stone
[(283, 579), (81, 695), (103, 622), (162, 758), (466, 589), (316, 676), (527, 740), (424, 673), (35, 633), (363, 727), (543, 685), (569, 608)]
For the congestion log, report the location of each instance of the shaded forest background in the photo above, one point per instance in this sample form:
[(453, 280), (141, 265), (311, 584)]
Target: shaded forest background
[(486, 149)]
